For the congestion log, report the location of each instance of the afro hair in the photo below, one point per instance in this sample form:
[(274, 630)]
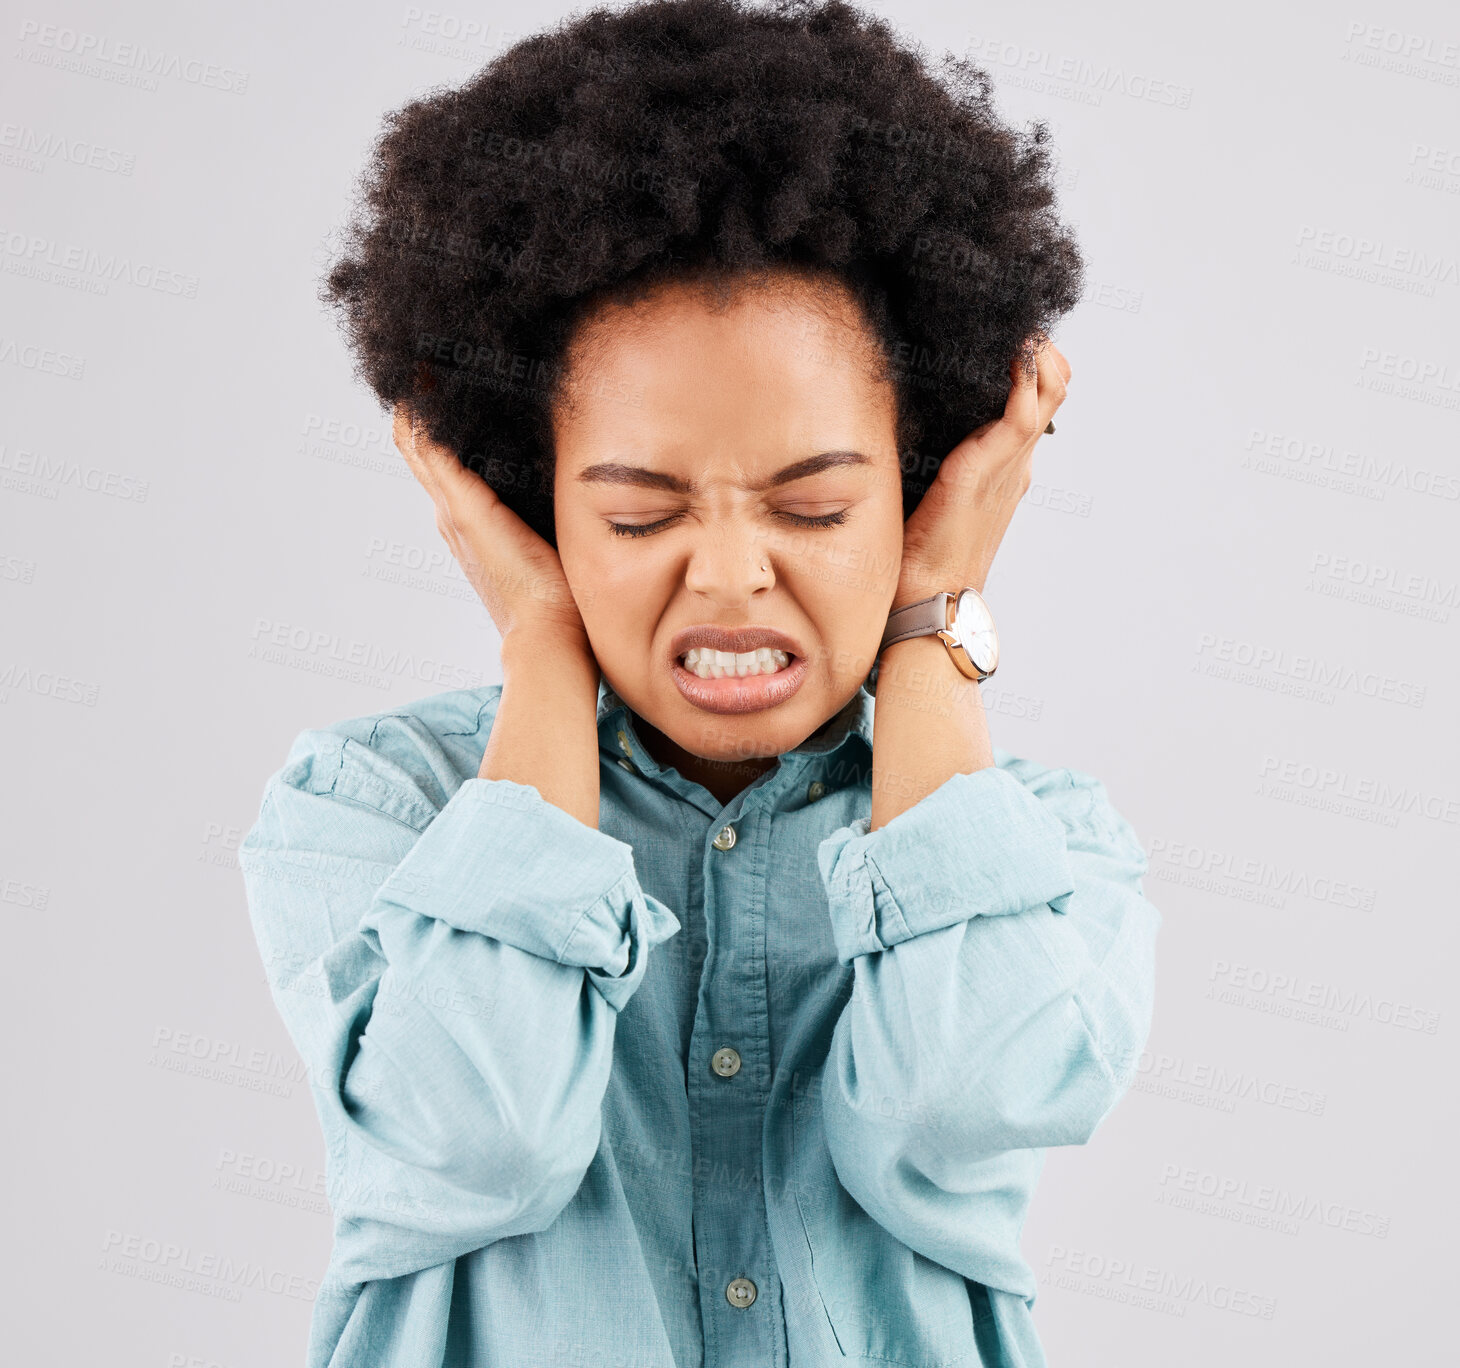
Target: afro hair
[(696, 139)]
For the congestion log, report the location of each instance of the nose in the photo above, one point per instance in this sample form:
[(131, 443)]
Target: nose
[(729, 566)]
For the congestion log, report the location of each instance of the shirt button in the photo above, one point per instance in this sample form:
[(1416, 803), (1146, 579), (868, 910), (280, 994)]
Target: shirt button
[(628, 765), (725, 1062), (623, 741), (740, 1292), (725, 839), (815, 790)]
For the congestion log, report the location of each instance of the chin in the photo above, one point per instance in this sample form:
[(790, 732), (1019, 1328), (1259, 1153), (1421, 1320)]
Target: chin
[(734, 738)]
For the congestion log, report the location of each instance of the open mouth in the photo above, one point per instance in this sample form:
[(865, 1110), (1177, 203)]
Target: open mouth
[(705, 663), (739, 682)]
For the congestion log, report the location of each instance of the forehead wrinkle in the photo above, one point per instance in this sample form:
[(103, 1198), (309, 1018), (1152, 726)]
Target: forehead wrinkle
[(621, 473)]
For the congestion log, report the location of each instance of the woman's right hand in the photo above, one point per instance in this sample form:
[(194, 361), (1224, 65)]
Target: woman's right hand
[(516, 573)]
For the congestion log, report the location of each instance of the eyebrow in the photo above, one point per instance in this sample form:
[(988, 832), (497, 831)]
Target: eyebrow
[(618, 473)]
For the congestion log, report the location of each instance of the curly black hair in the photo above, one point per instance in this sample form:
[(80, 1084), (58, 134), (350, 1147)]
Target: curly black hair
[(696, 140)]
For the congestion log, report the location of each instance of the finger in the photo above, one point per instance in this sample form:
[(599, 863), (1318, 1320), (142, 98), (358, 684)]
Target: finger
[(408, 440), (1052, 383), (1063, 361), (454, 484), (457, 492), (1049, 352), (1021, 408), (430, 463)]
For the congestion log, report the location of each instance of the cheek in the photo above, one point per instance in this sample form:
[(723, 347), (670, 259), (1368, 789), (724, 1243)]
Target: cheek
[(615, 592), (585, 555), (859, 567), (623, 575), (579, 559)]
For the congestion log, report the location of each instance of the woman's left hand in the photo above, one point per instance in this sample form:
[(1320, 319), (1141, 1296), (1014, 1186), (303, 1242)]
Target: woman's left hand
[(950, 539)]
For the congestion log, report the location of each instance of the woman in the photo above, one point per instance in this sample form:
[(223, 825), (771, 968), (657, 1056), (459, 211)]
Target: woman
[(664, 1006)]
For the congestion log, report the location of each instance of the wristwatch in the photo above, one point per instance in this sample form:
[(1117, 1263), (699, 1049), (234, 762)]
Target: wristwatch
[(961, 619)]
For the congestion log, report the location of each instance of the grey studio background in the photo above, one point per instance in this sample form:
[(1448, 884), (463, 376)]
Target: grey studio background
[(1231, 594)]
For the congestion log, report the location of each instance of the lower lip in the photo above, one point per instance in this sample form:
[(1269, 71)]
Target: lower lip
[(741, 693)]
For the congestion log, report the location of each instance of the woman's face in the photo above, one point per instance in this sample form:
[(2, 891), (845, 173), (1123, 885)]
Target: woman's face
[(730, 469)]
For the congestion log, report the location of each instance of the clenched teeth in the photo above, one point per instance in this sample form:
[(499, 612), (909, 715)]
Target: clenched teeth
[(708, 664)]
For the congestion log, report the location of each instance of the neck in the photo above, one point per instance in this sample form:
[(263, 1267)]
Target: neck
[(723, 778)]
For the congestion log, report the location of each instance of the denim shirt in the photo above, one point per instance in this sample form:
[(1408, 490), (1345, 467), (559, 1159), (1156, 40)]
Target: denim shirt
[(740, 1085)]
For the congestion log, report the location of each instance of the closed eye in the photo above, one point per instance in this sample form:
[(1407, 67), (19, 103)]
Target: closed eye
[(795, 519)]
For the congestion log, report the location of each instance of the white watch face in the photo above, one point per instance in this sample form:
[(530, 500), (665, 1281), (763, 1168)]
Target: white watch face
[(973, 625)]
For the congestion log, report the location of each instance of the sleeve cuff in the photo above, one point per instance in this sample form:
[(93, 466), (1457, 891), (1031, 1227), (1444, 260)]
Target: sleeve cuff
[(981, 844), (501, 861)]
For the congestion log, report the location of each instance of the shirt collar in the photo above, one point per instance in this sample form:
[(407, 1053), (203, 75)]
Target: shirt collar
[(853, 723)]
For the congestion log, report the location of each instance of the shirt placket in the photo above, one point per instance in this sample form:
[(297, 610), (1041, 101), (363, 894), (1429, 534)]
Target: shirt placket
[(729, 1081), (742, 1311)]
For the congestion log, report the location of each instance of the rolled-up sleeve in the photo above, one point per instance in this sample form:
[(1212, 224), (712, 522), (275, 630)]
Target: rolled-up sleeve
[(451, 972), (1003, 954)]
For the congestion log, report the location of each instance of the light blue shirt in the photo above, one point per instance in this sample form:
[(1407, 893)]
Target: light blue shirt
[(737, 1085)]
